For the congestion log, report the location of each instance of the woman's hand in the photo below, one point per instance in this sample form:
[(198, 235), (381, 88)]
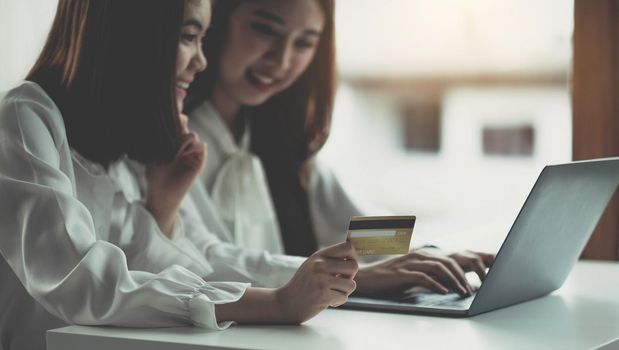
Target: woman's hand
[(429, 268), (168, 183), (325, 279)]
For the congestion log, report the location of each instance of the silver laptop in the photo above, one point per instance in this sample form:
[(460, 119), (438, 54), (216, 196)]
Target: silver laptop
[(544, 243)]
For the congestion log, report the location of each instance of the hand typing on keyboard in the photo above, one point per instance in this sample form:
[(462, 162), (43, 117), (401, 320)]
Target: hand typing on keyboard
[(428, 268)]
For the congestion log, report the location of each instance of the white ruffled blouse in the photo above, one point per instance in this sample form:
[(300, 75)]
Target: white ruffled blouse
[(76, 241)]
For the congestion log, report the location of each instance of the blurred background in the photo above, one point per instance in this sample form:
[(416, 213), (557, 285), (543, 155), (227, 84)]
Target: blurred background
[(446, 110)]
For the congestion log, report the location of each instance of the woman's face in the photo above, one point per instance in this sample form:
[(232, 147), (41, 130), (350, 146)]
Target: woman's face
[(270, 43), (189, 58)]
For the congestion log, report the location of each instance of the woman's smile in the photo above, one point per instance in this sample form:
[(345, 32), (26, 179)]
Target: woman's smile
[(261, 81)]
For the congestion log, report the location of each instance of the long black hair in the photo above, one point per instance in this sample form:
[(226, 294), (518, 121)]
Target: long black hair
[(109, 65)]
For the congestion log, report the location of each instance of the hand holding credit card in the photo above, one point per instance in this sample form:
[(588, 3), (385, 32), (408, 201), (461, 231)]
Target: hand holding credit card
[(380, 235)]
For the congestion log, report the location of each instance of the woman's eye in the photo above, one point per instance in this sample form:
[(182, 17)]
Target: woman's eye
[(188, 37), (305, 44), (264, 29)]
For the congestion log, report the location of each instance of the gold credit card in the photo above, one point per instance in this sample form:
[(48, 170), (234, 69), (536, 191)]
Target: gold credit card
[(381, 235)]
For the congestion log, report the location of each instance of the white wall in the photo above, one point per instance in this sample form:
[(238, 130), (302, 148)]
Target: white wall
[(24, 25)]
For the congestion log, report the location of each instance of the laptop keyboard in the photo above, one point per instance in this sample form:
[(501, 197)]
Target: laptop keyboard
[(421, 297), (450, 300)]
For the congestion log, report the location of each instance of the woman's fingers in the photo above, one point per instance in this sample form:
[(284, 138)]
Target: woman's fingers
[(342, 285), (325, 279), (488, 259), (342, 250), (451, 264), (440, 272), (417, 278), (477, 265), (192, 152), (447, 261), (184, 123), (197, 148), (336, 298), (188, 140), (339, 267), (185, 144), (457, 271), (340, 289), (477, 262)]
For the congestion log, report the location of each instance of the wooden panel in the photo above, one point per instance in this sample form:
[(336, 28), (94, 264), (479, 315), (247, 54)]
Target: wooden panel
[(596, 104)]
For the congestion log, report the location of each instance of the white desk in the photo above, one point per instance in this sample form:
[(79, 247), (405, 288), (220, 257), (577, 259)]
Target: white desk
[(583, 314)]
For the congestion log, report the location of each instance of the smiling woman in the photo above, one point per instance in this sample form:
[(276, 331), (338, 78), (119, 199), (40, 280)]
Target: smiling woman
[(274, 60), (62, 132)]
